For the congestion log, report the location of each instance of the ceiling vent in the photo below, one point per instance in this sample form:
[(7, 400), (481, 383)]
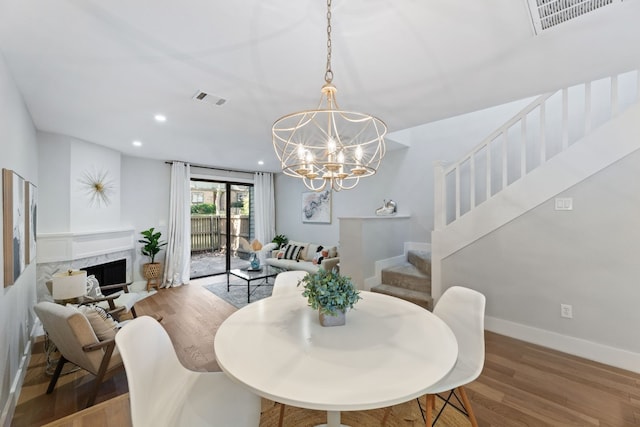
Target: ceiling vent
[(547, 14), (209, 99)]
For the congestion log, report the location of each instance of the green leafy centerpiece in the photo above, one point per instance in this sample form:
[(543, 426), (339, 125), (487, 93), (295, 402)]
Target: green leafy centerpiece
[(331, 294)]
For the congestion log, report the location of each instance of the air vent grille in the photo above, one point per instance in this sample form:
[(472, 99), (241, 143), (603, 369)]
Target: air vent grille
[(208, 98), (547, 14)]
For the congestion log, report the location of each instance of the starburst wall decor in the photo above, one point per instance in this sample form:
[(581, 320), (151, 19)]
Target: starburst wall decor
[(97, 186)]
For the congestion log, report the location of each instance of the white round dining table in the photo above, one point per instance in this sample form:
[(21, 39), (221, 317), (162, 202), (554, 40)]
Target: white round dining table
[(390, 351)]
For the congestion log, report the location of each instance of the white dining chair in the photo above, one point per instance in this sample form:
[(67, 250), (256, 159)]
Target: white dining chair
[(162, 392), (462, 309), (286, 282)]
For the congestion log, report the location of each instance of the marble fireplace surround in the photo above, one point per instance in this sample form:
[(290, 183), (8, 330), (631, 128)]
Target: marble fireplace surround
[(76, 250)]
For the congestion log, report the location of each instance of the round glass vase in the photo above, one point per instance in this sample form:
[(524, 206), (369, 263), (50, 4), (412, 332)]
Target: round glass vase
[(254, 261)]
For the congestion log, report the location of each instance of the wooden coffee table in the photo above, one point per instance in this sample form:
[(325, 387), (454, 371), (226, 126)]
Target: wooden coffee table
[(263, 275)]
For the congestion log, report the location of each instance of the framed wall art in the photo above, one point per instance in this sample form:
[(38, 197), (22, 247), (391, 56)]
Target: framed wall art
[(316, 207), (14, 225), (31, 207)]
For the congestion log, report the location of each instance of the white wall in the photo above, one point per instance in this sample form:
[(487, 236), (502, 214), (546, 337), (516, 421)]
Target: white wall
[(90, 161), (65, 202), (145, 201), (406, 176), (54, 154), (18, 152), (586, 257)]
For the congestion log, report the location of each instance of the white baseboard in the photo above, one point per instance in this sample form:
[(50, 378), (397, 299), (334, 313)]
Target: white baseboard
[(14, 393), (612, 356)]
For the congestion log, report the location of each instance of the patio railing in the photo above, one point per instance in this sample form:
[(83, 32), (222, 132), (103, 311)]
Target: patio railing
[(208, 232)]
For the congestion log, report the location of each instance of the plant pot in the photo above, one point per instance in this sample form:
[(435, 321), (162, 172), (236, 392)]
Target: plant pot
[(338, 319), (151, 270)]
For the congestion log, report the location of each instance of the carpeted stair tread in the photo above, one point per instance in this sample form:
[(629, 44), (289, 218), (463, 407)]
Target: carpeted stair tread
[(407, 276), (421, 259), (423, 299)]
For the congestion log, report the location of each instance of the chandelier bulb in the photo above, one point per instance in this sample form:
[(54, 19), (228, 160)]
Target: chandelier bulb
[(359, 153)]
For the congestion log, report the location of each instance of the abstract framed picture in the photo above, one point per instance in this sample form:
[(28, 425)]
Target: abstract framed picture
[(31, 207), (316, 207), (14, 225)]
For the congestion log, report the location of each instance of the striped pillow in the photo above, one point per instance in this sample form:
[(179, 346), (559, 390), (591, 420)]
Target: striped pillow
[(292, 251)]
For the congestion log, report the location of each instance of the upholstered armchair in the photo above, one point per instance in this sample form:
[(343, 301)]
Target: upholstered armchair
[(78, 343)]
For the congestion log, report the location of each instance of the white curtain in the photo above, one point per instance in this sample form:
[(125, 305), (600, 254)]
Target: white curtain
[(265, 207), (178, 262)]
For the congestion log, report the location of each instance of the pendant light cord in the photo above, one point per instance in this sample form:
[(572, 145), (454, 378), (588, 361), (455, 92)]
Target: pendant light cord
[(328, 75)]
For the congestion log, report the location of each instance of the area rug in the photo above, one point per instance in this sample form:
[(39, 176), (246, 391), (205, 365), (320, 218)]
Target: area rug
[(237, 294)]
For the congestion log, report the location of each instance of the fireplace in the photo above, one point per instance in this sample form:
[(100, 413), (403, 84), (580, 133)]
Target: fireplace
[(109, 273), (85, 251)]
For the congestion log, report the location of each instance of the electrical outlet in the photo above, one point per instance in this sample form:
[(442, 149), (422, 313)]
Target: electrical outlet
[(566, 311)]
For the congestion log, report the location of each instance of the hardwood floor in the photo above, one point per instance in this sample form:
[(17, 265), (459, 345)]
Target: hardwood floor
[(521, 385)]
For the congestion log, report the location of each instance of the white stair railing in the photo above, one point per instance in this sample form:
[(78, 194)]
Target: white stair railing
[(546, 127)]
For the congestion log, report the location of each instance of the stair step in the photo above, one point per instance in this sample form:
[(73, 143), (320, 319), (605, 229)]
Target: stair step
[(423, 299), (406, 276), (421, 259)]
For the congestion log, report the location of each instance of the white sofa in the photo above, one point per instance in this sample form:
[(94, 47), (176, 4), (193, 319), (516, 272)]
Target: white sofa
[(305, 258)]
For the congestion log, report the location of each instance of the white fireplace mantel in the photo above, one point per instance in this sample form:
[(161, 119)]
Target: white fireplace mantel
[(70, 246)]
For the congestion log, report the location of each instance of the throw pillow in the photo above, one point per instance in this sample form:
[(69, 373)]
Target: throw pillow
[(318, 257), (292, 252), (93, 287), (304, 255), (103, 324), (333, 252)]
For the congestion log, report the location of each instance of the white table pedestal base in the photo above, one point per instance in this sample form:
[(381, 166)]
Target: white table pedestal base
[(333, 420)]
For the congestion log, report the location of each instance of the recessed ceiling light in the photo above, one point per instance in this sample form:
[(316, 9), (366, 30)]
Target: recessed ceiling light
[(160, 118), (137, 144), (260, 162)]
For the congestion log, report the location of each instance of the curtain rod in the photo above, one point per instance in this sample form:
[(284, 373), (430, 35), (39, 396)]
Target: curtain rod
[(170, 162)]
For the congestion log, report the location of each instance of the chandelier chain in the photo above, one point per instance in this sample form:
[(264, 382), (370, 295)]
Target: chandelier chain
[(328, 75)]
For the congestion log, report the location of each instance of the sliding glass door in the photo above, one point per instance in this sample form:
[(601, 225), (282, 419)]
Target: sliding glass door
[(222, 226)]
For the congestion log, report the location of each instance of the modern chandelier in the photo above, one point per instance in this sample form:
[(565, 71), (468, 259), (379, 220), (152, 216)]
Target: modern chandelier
[(329, 148)]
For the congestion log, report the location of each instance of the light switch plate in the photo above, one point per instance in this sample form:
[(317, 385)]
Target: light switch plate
[(564, 203)]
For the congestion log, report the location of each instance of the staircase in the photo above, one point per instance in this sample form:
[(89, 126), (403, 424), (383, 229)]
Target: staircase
[(556, 142), (410, 281)]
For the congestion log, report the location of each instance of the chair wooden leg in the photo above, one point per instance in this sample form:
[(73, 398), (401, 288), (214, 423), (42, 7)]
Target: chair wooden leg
[(387, 412), (467, 405), (56, 374), (101, 372), (430, 403), (133, 312), (281, 419)]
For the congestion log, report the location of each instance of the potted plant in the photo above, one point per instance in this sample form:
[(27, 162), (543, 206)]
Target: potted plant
[(151, 245), (331, 294), (280, 240)]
